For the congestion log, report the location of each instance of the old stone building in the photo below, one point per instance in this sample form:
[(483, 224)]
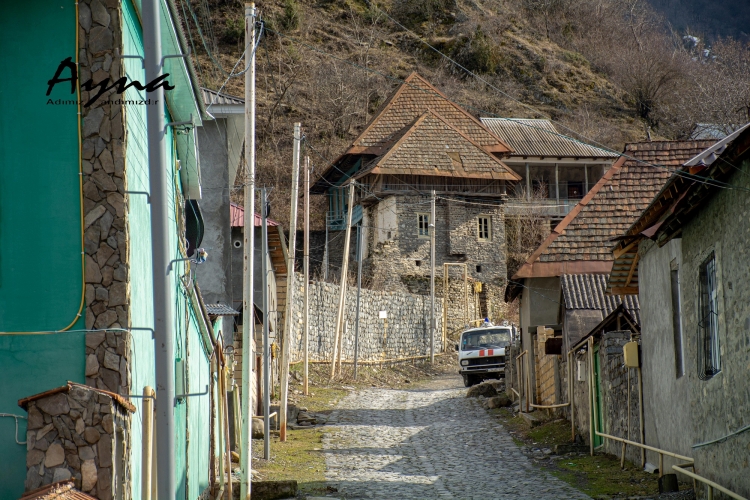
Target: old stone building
[(418, 142)]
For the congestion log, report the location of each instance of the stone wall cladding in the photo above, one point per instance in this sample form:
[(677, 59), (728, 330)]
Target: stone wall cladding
[(614, 380), (73, 435), (403, 262), (407, 333), (105, 203)]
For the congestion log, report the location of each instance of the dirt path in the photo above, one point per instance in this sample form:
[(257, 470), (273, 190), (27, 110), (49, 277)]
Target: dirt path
[(430, 442)]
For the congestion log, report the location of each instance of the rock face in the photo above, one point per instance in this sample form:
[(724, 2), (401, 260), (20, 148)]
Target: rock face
[(79, 429), (499, 401)]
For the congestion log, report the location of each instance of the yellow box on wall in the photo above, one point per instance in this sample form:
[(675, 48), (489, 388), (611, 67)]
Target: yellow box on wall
[(630, 352)]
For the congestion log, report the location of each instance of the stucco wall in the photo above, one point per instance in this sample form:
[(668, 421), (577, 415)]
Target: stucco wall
[(721, 404), (214, 275), (666, 398)]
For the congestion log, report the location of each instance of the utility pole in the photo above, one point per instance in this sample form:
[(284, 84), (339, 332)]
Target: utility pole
[(360, 235), (432, 277), (286, 337), (325, 253), (248, 307), (337, 340), (266, 334), (163, 283), (306, 256)]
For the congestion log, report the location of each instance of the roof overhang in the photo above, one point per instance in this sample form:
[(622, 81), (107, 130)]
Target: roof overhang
[(553, 269), (562, 162)]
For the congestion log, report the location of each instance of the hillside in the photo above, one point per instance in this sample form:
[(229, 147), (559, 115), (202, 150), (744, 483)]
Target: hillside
[(604, 73)]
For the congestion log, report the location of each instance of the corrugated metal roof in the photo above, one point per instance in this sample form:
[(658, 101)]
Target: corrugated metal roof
[(707, 157), (213, 97), (221, 310), (237, 216), (62, 490), (528, 137), (587, 291)]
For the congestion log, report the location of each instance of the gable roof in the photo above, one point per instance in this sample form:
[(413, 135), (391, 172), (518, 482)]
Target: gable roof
[(582, 241), (534, 137), (678, 200), (410, 100), (433, 146)]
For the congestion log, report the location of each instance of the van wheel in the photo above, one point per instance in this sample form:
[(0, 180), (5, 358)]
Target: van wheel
[(468, 380)]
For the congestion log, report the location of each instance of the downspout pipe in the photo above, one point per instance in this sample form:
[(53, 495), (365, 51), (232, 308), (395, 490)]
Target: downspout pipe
[(160, 257)]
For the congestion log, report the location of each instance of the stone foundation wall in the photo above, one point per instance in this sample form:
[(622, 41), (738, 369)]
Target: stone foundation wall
[(105, 202), (406, 333), (78, 433)]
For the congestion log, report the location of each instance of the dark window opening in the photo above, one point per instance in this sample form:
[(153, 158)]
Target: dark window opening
[(479, 269), (709, 355), (193, 226), (677, 323), (418, 263), (575, 190)]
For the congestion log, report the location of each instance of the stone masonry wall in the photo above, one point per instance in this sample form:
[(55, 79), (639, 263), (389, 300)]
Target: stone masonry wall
[(406, 334), (104, 204), (614, 404), (78, 434)]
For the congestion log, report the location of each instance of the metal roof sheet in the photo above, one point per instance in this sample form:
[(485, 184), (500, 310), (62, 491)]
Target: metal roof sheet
[(588, 291), (213, 97), (221, 310), (61, 490), (533, 137), (237, 216)]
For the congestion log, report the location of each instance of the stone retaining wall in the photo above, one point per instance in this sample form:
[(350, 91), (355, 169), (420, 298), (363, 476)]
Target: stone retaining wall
[(78, 433), (406, 333)]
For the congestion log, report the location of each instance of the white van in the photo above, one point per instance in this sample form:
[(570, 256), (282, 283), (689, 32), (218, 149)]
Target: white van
[(481, 352)]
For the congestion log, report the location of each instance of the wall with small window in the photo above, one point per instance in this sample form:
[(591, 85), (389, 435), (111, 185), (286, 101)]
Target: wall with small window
[(709, 402)]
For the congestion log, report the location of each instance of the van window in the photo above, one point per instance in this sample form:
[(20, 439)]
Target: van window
[(485, 339)]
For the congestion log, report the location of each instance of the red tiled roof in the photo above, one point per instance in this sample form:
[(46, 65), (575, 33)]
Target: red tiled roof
[(237, 216), (432, 146), (582, 242), (62, 490), (413, 98)]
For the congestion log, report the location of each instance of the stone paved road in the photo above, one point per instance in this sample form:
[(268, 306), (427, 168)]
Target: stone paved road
[(428, 443)]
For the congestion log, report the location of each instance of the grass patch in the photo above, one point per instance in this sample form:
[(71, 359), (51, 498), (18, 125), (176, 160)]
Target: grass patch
[(300, 458), (599, 476)]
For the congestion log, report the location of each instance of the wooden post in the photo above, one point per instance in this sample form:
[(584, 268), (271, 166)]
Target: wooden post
[(286, 336), (337, 334), (306, 264)]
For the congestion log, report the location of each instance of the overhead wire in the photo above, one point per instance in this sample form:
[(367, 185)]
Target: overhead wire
[(603, 147)]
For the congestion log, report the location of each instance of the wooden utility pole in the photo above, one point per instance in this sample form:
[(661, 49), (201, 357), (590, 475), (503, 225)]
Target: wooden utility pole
[(286, 338), (360, 237), (306, 256), (338, 333), (266, 330), (431, 227), (248, 308)]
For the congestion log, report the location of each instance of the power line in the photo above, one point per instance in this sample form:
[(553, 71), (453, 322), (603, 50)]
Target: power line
[(681, 173)]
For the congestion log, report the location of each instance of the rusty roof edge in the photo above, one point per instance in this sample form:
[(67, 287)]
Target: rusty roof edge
[(24, 402)]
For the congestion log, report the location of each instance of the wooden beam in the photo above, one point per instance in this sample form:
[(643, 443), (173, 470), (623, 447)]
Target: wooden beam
[(624, 290), (620, 251), (632, 269)]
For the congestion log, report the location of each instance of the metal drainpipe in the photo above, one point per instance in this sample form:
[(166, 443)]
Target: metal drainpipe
[(640, 404), (160, 232), (591, 400), (571, 398), (147, 444)]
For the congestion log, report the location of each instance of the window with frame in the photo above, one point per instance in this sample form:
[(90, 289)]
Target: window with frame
[(423, 225), (484, 227), (709, 356)]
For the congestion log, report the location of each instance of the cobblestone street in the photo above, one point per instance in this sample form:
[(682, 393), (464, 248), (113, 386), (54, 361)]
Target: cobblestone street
[(425, 443)]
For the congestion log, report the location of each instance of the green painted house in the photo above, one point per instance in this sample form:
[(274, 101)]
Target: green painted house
[(76, 295)]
